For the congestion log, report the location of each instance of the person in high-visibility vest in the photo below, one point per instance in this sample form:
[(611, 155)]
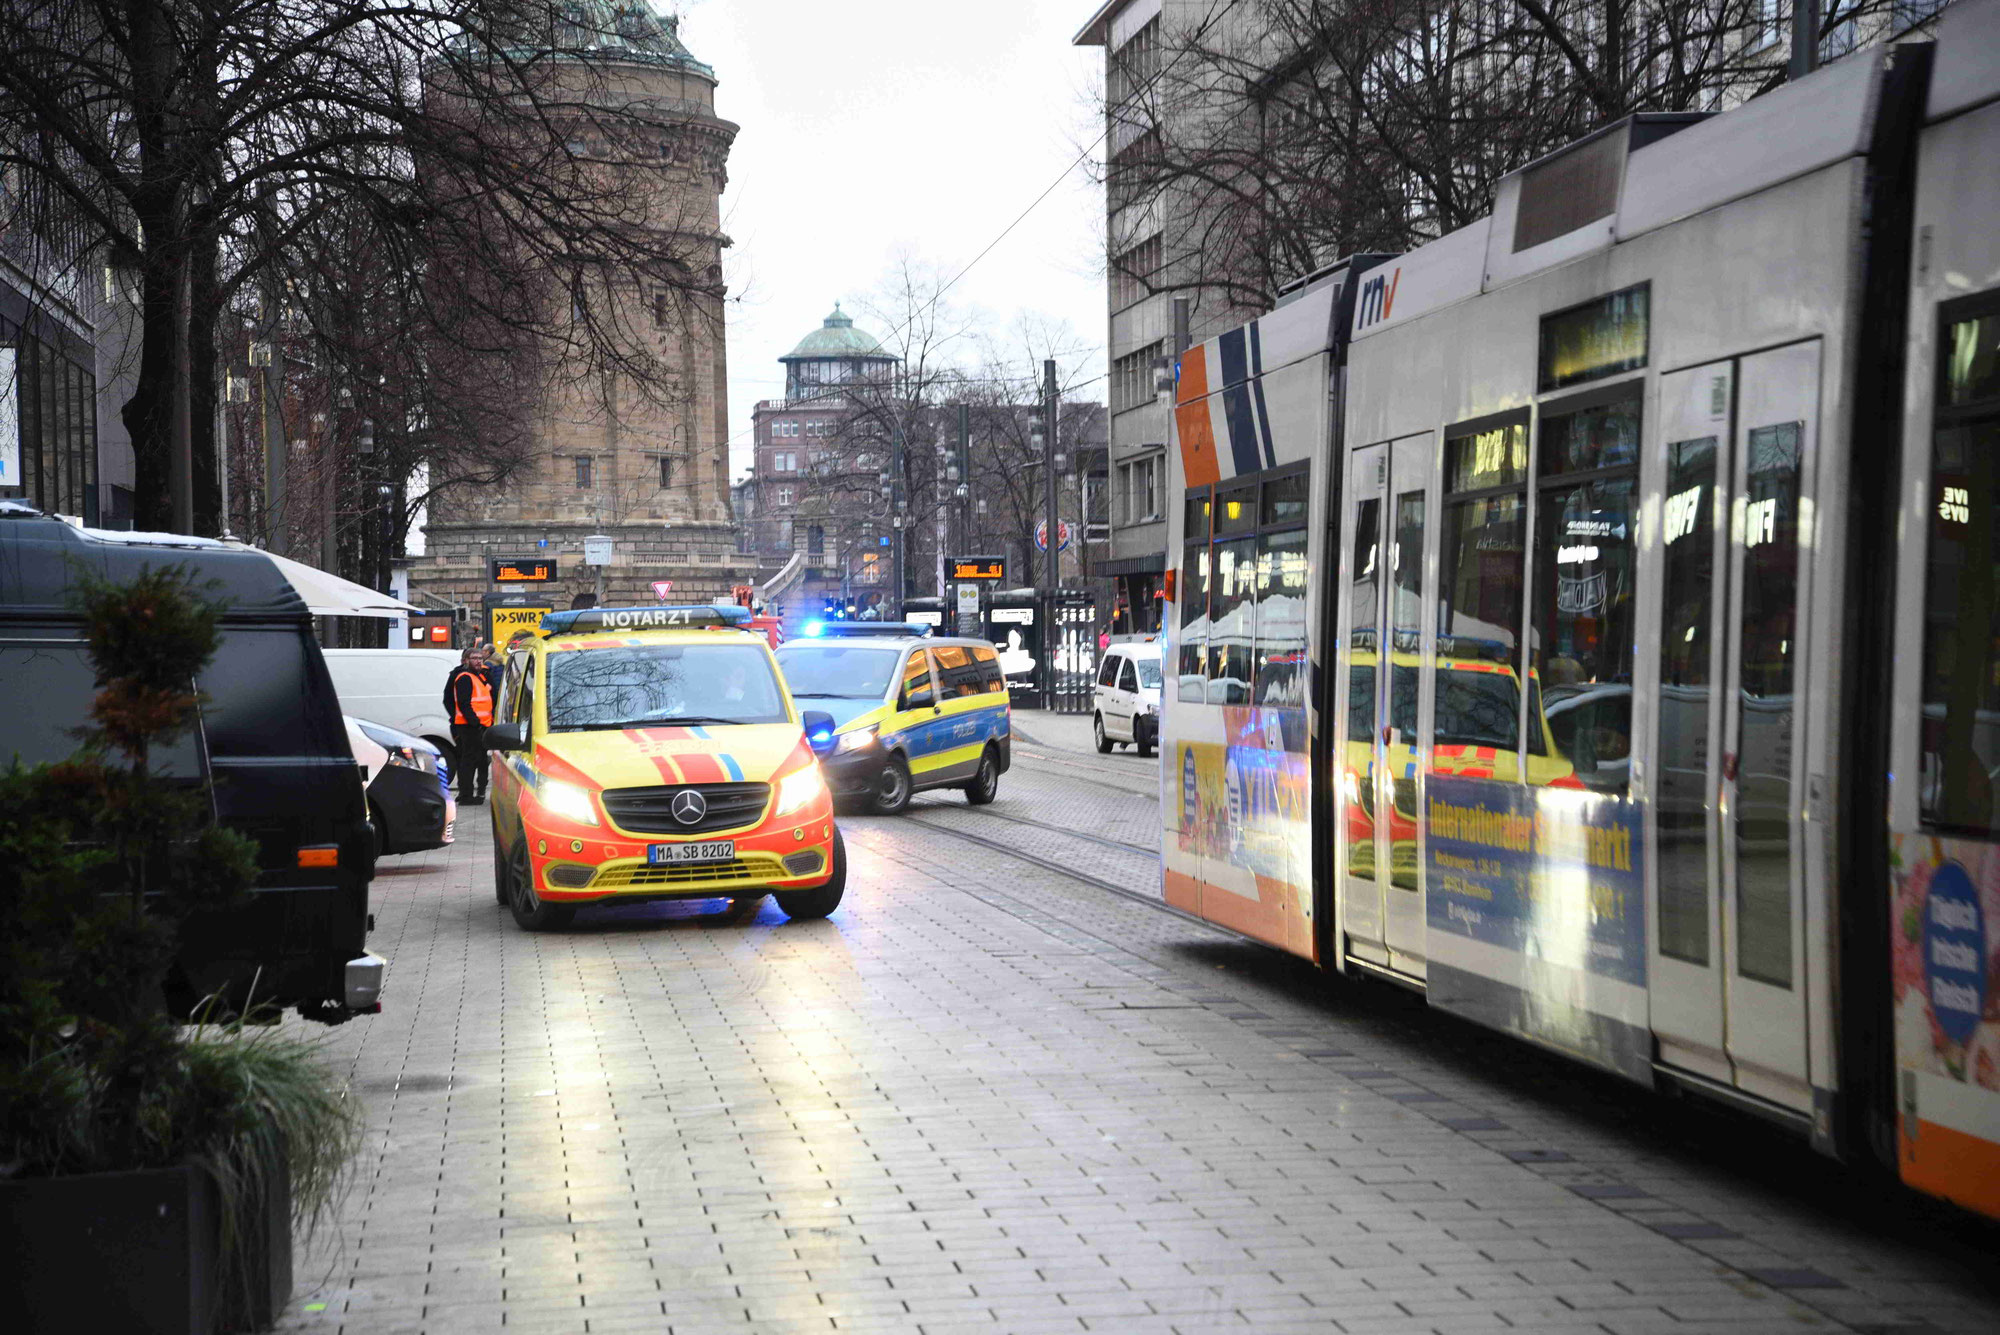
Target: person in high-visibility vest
[(468, 699)]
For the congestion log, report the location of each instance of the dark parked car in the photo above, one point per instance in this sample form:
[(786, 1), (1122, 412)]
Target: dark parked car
[(409, 788), (271, 737)]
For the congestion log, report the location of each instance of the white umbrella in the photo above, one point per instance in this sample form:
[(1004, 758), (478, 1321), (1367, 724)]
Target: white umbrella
[(329, 595), (324, 595)]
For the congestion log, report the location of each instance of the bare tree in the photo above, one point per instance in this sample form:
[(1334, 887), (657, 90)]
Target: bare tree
[(1254, 141), (892, 452), (206, 143)]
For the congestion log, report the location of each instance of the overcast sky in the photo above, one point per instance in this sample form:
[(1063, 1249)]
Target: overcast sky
[(885, 128)]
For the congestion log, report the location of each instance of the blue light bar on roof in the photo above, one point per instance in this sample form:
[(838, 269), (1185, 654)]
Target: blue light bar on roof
[(856, 630), (595, 620)]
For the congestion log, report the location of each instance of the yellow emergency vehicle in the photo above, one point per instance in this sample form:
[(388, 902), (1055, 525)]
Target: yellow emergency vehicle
[(913, 710), (654, 753)]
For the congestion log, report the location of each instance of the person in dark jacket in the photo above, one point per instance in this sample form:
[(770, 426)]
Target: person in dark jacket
[(468, 700)]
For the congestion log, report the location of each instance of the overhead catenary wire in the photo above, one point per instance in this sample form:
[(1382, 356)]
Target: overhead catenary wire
[(1214, 17)]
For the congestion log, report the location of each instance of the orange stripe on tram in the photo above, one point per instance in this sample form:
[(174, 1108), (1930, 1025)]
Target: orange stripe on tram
[(1199, 462)]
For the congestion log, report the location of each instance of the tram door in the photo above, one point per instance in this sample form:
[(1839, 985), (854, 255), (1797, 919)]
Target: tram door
[(1727, 957), (1385, 750)]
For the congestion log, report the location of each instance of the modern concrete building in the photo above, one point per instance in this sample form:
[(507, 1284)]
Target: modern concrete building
[(1139, 303), (649, 469)]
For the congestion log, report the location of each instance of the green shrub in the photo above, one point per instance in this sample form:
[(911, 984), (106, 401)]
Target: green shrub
[(100, 862)]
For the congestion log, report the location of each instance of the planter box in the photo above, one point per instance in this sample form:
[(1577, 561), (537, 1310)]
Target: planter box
[(111, 1251), (137, 1252)]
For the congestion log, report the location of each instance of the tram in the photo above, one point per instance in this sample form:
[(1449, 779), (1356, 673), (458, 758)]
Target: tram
[(1592, 618)]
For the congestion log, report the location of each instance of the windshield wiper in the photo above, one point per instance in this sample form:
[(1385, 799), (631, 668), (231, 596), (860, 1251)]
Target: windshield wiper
[(671, 721), (828, 695)]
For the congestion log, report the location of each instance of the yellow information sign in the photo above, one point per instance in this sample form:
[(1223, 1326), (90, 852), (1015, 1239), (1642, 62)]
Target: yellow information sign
[(504, 623)]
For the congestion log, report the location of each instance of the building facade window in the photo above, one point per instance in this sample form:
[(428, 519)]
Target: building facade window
[(816, 541), (48, 406), (784, 495), (666, 471), (1139, 491), (1132, 377), (1133, 273), (585, 470)]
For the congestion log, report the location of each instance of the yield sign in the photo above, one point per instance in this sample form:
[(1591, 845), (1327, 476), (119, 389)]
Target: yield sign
[(661, 588)]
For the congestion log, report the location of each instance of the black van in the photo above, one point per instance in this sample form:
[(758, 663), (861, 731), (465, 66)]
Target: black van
[(271, 737)]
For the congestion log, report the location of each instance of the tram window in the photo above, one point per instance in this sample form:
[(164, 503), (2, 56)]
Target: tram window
[(1604, 435), (1484, 551), (1194, 621), (1961, 700), (1597, 339), (1236, 511), (1361, 703), (1232, 620), (1584, 631), (1480, 580), (1364, 598), (1764, 731), (1195, 529), (1496, 457), (1687, 593), (1284, 501), (1281, 619), (1478, 707), (1584, 620), (1971, 362)]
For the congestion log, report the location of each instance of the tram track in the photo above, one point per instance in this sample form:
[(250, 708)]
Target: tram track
[(1059, 868), (1147, 851), (1141, 782)]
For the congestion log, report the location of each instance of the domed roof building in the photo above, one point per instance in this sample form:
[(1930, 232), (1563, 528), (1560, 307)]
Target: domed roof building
[(832, 355)]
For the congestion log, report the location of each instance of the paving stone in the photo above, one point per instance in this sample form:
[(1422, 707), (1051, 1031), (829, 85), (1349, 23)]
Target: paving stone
[(988, 1096)]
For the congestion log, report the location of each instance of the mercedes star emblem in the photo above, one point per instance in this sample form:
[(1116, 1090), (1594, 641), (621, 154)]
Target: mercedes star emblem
[(689, 807)]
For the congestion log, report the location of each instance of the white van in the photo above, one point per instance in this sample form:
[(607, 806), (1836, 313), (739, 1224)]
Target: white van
[(1126, 707), (397, 688)]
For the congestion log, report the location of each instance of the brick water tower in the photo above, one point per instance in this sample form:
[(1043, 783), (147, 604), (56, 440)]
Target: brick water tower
[(646, 465)]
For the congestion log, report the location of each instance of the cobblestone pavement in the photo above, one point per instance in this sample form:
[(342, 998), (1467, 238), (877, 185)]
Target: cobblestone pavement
[(997, 1091)]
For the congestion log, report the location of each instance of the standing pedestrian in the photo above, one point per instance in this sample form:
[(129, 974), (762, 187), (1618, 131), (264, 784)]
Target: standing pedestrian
[(468, 700), (496, 668)]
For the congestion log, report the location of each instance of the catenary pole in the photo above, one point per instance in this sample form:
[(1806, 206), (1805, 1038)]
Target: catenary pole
[(1049, 410)]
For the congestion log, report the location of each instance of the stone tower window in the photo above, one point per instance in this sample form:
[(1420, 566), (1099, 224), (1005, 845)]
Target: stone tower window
[(584, 469), (666, 471)]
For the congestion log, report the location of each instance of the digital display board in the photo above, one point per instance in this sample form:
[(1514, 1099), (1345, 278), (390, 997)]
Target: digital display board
[(508, 570), (979, 567)]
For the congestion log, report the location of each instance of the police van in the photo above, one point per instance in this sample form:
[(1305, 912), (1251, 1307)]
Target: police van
[(911, 711), (654, 753)]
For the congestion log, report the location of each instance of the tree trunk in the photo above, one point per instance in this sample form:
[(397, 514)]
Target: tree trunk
[(209, 521), (148, 414)]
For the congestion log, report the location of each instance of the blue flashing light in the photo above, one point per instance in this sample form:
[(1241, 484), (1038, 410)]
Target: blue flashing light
[(815, 629), (859, 630)]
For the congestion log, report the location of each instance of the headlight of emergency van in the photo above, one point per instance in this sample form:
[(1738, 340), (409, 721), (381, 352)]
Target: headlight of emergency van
[(568, 801), (858, 740), (796, 790)]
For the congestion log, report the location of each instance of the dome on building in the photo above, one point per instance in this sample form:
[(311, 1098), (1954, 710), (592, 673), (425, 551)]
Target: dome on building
[(625, 29), (838, 339)]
